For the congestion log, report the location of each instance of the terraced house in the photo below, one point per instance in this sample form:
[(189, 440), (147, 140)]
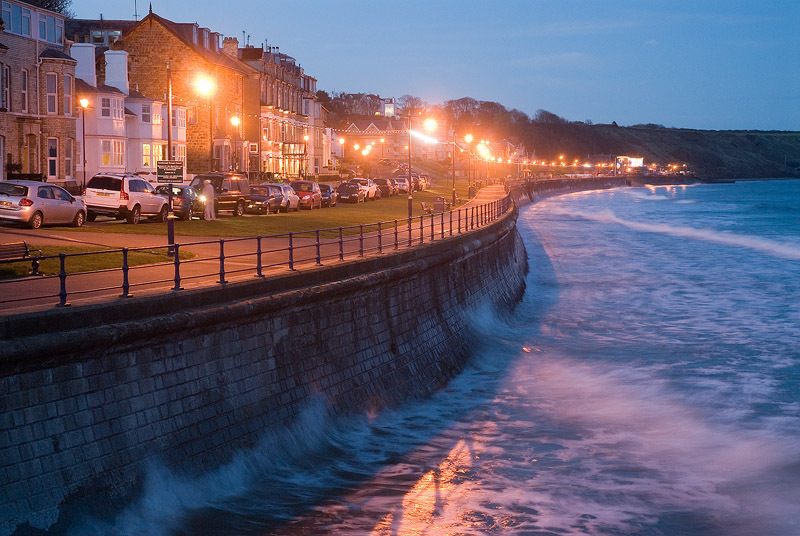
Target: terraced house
[(37, 95)]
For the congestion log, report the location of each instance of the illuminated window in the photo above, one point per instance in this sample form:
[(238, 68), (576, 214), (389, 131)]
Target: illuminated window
[(105, 147), (147, 158)]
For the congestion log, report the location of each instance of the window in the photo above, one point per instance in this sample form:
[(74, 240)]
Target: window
[(68, 149), (147, 158), (23, 89), (52, 93), (118, 109), (67, 94), (179, 118), (5, 93), (191, 115), (105, 107), (50, 29), (17, 19), (119, 153), (52, 158), (105, 147), (145, 113)]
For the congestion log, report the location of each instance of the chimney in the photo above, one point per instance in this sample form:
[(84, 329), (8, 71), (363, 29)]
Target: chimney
[(230, 45), (117, 70), (86, 70)]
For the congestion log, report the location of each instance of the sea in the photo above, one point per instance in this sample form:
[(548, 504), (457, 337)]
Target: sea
[(647, 383)]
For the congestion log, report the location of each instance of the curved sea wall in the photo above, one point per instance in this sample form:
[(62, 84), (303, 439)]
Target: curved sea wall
[(531, 191), (91, 395)]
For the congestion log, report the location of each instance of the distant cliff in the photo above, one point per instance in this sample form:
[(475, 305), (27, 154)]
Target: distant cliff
[(709, 153)]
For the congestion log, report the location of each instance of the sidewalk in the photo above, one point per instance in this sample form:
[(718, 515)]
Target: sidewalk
[(36, 294)]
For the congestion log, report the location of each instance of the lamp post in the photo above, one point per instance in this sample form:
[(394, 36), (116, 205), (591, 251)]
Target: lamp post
[(170, 214), (341, 157), (84, 104), (410, 182), (305, 156), (206, 87)]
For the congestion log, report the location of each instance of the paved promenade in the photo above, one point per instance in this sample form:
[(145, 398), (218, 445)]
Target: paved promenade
[(35, 294)]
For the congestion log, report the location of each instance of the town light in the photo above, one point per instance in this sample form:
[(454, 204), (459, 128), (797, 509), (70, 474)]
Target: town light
[(468, 138), (430, 124), (235, 121), (204, 85)]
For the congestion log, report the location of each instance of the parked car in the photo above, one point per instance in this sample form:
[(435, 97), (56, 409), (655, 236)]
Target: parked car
[(35, 203), (231, 191), (402, 184), (309, 194), (371, 192), (424, 182), (349, 192), (329, 195), (289, 200), (386, 186), (186, 202), (265, 199), (123, 196)]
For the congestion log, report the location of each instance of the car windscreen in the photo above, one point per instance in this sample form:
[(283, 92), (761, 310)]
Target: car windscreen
[(16, 190), (347, 188), (302, 187), (100, 182), (260, 190), (325, 187)]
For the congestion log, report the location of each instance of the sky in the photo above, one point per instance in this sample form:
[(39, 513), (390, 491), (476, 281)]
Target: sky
[(705, 64)]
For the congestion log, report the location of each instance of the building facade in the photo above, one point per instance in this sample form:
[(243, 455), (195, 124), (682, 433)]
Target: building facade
[(37, 95)]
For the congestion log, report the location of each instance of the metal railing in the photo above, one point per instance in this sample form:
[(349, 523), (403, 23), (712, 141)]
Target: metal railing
[(217, 261)]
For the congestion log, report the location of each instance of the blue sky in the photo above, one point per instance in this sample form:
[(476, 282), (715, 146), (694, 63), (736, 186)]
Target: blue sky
[(708, 64)]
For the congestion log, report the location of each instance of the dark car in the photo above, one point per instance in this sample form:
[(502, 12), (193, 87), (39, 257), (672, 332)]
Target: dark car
[(265, 199), (231, 191), (329, 195), (386, 186), (352, 193), (186, 202), (309, 194)]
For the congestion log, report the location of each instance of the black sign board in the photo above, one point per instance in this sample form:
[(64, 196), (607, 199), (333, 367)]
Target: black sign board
[(169, 171)]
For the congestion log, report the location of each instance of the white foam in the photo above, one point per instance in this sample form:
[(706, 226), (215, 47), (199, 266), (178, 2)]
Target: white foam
[(762, 245)]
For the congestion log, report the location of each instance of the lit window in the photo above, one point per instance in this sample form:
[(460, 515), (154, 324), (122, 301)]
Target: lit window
[(105, 146)]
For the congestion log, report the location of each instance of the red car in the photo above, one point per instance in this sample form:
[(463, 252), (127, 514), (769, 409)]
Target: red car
[(309, 194)]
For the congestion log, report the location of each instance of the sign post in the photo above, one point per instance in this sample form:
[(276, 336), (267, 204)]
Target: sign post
[(170, 172)]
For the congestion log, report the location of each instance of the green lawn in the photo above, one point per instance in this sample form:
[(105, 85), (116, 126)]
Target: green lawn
[(343, 215), (85, 263)]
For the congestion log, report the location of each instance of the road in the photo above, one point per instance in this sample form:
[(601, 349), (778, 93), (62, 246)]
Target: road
[(239, 259)]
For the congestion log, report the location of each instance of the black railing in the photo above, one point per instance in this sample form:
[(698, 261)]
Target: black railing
[(218, 261)]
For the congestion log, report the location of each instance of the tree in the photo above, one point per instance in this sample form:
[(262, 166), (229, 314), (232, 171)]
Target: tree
[(410, 103), (59, 6)]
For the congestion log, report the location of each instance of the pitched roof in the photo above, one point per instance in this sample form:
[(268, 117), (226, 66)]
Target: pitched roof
[(184, 32), (51, 53), (83, 87)]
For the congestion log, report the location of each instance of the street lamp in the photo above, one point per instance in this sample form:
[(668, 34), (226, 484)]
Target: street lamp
[(468, 139), (305, 155), (84, 104)]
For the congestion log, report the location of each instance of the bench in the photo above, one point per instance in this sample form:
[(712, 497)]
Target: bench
[(426, 208), (19, 251)]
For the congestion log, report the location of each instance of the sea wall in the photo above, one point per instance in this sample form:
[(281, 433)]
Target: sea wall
[(526, 192), (91, 395)]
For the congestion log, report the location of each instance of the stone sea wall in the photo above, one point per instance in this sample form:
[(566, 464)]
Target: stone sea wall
[(92, 394)]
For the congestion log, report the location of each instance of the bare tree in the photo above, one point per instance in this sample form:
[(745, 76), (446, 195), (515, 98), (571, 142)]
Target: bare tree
[(59, 6)]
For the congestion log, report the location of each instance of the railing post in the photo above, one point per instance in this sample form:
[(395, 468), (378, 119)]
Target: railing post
[(341, 245), (432, 229), (361, 240), (291, 252), (222, 261), (380, 238), (259, 267), (451, 223), (177, 262), (422, 229), (125, 283), (442, 226), (319, 256), (459, 221), (62, 275), (396, 244), (409, 232)]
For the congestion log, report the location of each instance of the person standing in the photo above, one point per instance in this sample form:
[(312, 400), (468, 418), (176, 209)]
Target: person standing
[(208, 193)]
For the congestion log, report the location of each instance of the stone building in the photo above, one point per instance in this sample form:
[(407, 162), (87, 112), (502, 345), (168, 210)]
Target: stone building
[(37, 89)]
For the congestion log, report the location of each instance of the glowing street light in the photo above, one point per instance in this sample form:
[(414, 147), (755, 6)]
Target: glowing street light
[(84, 104)]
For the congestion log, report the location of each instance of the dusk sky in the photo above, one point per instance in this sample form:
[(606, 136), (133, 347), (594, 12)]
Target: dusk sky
[(726, 64)]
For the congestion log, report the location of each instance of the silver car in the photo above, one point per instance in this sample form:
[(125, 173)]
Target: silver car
[(36, 203)]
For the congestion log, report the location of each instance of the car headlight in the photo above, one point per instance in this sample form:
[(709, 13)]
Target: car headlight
[(202, 198)]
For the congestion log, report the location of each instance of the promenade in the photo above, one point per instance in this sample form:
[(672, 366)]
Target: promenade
[(239, 258)]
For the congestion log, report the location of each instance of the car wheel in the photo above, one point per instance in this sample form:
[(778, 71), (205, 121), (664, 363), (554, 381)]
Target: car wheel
[(135, 215), (79, 219), (91, 216), (163, 214), (36, 220), (239, 211)]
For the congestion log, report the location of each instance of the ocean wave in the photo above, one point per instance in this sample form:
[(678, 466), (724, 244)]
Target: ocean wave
[(762, 245)]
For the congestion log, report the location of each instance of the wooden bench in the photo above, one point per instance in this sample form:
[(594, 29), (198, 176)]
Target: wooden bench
[(19, 251), (426, 208)]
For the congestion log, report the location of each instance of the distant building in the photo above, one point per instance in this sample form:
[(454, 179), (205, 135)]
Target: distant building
[(37, 95)]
